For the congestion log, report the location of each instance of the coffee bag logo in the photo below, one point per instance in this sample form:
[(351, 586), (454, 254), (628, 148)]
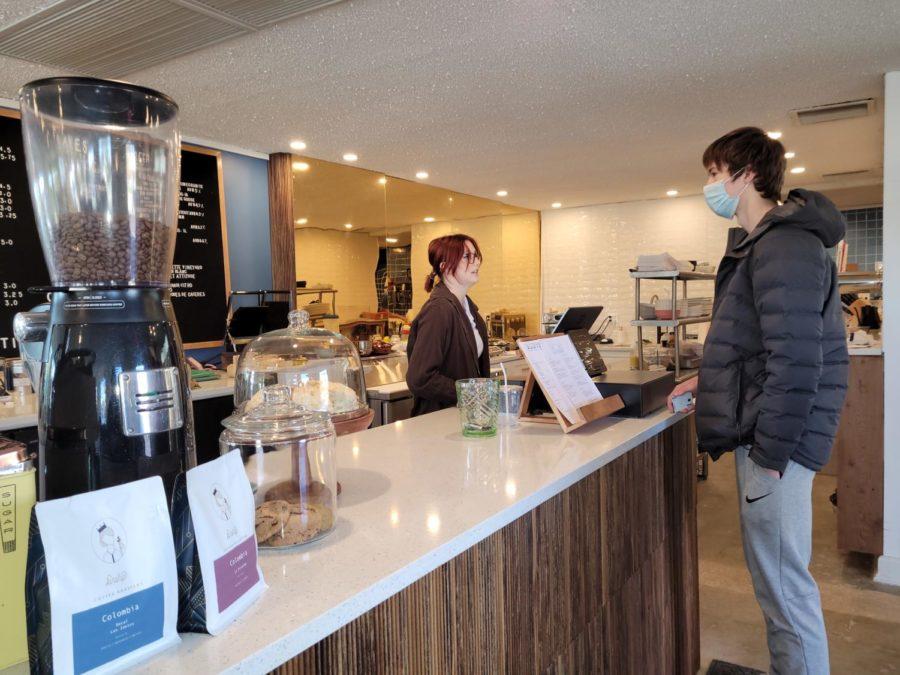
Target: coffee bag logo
[(222, 506), (108, 540), (222, 503)]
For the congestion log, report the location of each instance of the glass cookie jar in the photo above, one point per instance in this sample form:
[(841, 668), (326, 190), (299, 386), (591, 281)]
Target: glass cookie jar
[(323, 370), (288, 454)]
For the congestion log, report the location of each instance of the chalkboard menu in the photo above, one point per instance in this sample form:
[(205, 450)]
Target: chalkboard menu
[(21, 259), (200, 275)]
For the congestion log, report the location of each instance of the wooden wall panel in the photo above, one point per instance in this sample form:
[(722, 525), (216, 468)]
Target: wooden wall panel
[(601, 578), (518, 579), (860, 455), (551, 589), (586, 568), (281, 223), (681, 526)]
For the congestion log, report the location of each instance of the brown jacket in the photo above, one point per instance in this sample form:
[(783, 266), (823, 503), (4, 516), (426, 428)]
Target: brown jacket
[(442, 350)]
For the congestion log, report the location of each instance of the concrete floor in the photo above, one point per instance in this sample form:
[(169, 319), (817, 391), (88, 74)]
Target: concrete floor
[(862, 617)]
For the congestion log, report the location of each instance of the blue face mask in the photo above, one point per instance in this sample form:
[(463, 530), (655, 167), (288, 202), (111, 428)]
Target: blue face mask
[(718, 199)]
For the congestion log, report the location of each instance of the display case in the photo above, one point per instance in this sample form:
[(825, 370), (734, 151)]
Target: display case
[(322, 369), (288, 454)]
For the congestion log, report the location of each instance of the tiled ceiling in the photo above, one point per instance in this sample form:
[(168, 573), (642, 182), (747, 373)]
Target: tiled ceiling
[(582, 101)]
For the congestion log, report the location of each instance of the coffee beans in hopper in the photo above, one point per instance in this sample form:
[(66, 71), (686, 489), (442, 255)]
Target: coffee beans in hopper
[(87, 249)]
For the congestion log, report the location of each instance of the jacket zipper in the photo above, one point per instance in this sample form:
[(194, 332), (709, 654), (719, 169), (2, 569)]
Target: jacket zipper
[(738, 407)]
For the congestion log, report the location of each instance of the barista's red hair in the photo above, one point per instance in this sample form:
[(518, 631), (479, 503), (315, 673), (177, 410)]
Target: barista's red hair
[(446, 252)]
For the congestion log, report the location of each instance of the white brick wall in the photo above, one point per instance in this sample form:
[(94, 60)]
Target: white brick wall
[(511, 274), (586, 252), (347, 261)]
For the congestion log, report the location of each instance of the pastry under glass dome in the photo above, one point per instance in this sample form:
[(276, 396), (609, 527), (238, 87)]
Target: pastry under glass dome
[(323, 370)]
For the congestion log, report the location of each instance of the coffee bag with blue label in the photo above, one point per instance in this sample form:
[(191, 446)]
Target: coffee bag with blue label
[(108, 566), (213, 519)]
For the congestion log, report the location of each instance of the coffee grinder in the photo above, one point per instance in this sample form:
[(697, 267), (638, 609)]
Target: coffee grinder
[(106, 356)]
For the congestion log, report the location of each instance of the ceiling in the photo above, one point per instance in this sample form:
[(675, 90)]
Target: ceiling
[(578, 102)]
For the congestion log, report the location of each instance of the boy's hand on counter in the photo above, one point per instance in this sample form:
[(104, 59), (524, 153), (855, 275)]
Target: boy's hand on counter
[(688, 386)]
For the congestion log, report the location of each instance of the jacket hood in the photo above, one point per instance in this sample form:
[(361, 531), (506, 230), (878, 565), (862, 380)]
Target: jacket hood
[(808, 210)]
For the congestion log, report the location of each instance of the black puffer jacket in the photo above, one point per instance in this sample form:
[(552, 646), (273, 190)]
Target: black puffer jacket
[(774, 370)]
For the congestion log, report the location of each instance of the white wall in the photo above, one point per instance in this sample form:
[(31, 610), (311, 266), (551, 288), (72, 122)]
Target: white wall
[(511, 272), (347, 261), (889, 563), (587, 251)]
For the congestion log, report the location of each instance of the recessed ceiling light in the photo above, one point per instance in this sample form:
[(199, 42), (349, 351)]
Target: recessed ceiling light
[(382, 180), (429, 219), (300, 166), (798, 169), (450, 199), (671, 193), (421, 175), (349, 226), (298, 145), (556, 205), (774, 135), (502, 193), (350, 157), (790, 155), (391, 240), (301, 221)]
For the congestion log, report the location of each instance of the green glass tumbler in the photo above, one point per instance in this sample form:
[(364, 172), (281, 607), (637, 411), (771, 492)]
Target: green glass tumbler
[(478, 401)]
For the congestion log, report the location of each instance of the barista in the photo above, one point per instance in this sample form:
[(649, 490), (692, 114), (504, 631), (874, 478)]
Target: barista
[(448, 339)]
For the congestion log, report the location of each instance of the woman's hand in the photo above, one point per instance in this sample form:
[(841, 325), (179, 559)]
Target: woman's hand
[(683, 388)]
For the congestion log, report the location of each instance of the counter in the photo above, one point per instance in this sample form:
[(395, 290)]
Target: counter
[(17, 417), (460, 555), (389, 396)]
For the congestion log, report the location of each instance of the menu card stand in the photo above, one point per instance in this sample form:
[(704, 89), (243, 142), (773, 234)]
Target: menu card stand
[(590, 412)]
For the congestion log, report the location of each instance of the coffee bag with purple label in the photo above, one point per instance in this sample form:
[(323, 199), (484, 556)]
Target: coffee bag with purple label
[(219, 575), (107, 561)]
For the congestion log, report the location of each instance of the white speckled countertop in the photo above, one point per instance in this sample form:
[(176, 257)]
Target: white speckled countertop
[(415, 494), (19, 417)]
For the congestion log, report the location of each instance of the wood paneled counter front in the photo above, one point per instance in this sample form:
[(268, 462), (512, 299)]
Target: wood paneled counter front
[(530, 552)]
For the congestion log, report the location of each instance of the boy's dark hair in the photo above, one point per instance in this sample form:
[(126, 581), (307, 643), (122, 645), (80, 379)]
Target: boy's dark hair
[(750, 148)]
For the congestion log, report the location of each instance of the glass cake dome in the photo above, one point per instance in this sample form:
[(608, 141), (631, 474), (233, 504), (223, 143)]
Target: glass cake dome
[(323, 370)]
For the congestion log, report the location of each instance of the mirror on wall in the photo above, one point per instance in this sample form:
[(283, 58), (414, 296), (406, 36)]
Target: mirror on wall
[(362, 238)]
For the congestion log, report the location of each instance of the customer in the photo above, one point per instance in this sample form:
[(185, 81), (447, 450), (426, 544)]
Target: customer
[(773, 378), (448, 339)]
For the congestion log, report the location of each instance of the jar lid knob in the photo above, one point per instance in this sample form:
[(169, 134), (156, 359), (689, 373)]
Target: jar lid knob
[(277, 394), (299, 319)]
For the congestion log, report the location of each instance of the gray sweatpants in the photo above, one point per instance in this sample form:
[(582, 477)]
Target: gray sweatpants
[(776, 529)]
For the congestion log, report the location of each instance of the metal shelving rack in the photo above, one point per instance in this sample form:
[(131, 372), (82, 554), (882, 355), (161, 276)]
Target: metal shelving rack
[(860, 282), (321, 292), (674, 278)]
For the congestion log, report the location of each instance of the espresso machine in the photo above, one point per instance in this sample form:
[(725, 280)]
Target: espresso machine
[(105, 355)]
